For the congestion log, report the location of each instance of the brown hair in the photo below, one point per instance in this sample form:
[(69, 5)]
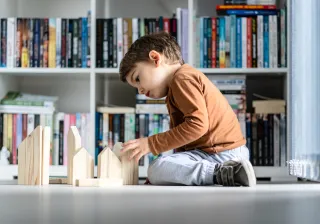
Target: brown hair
[(161, 42)]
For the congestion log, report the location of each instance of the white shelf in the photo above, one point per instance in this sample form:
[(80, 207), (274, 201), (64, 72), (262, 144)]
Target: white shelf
[(243, 70), (97, 90), (9, 171), (75, 71), (106, 70), (42, 71)]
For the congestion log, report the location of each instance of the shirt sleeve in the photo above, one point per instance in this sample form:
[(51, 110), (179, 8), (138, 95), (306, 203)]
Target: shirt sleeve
[(189, 99)]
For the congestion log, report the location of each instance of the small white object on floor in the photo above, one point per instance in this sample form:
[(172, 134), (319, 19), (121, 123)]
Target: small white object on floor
[(4, 156)]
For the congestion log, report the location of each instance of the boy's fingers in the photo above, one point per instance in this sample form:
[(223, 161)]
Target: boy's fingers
[(129, 142), (128, 147), (138, 157), (134, 153)]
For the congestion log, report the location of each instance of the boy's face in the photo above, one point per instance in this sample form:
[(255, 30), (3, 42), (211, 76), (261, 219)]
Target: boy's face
[(150, 78)]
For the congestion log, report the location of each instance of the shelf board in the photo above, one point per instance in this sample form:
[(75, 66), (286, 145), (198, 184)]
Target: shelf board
[(9, 171), (244, 70), (107, 70), (41, 71), (115, 71)]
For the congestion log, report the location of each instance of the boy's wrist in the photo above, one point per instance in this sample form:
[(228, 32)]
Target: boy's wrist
[(151, 146)]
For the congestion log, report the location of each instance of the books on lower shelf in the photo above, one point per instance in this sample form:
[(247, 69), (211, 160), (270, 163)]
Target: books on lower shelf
[(266, 138), (114, 124), (14, 127)]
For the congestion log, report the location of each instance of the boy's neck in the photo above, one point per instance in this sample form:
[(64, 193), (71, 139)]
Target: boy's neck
[(171, 70)]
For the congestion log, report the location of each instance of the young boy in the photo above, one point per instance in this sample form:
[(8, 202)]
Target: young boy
[(204, 130)]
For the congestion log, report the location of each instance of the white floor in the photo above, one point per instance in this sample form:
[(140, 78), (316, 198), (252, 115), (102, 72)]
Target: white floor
[(265, 203)]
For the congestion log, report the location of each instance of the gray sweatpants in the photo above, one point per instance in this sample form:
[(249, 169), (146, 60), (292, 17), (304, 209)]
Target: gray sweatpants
[(194, 167)]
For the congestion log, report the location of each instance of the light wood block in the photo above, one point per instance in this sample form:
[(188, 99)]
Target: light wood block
[(58, 181), (21, 162), (29, 160), (36, 173), (83, 165), (129, 169), (109, 165), (117, 149), (34, 157), (45, 155), (108, 182), (269, 106), (74, 144)]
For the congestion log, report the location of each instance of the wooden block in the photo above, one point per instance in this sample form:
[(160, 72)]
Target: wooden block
[(130, 169), (74, 144), (45, 155), (269, 106), (58, 181), (29, 161), (37, 156), (109, 165), (21, 162), (34, 157), (108, 182), (83, 165), (116, 149)]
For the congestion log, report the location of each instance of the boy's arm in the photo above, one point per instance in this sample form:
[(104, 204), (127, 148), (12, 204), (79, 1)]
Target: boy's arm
[(189, 99)]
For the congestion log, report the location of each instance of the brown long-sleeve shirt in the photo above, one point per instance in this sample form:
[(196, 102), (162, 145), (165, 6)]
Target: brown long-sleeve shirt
[(200, 116)]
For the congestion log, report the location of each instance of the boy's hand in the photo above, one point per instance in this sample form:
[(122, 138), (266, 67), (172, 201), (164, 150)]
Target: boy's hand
[(137, 147)]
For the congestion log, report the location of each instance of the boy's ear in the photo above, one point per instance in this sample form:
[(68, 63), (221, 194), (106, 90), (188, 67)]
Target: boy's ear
[(155, 57)]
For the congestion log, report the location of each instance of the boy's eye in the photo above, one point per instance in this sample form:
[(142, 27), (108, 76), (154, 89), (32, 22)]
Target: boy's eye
[(137, 79)]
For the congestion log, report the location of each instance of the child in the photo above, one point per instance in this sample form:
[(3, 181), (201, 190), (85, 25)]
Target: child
[(204, 130)]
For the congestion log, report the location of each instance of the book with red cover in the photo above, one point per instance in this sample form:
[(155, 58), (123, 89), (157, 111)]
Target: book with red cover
[(251, 7)]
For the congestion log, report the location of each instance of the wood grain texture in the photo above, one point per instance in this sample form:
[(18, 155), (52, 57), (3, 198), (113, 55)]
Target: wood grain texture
[(36, 151), (29, 161), (130, 170), (74, 144), (22, 162), (45, 155), (58, 180), (109, 165), (83, 165), (116, 149)]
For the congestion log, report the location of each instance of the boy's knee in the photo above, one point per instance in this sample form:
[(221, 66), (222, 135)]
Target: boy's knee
[(155, 173)]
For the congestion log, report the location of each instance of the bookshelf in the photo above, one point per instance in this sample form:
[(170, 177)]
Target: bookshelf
[(92, 85)]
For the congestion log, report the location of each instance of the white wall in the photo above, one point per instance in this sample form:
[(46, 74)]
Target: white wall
[(143, 8), (116, 92), (7, 83), (73, 92), (44, 8)]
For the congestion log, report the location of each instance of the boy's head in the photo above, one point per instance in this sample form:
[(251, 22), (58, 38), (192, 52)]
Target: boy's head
[(149, 63)]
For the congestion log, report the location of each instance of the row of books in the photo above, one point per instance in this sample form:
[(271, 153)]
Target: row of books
[(241, 39), (16, 127), (266, 138), (115, 36), (238, 38), (265, 133), (249, 2), (45, 42), (114, 127)]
